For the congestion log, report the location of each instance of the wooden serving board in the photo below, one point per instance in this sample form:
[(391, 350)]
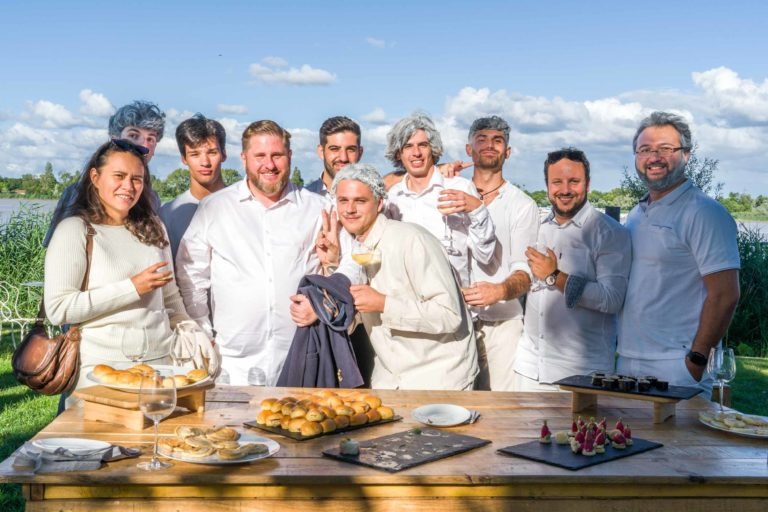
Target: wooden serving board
[(407, 449), (298, 437), (562, 456)]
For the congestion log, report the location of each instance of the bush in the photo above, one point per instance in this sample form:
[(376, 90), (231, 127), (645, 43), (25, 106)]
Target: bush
[(750, 323)]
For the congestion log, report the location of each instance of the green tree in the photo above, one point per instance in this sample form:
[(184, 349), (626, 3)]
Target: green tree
[(177, 182), (47, 183), (540, 196), (700, 172), (230, 176), (296, 178)]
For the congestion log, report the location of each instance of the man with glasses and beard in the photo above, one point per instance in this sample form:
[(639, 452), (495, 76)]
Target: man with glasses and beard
[(570, 315), (684, 283), (244, 253)]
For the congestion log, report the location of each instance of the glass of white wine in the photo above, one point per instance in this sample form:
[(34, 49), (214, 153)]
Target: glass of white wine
[(364, 255), (538, 284), (157, 400), (135, 343), (721, 365)]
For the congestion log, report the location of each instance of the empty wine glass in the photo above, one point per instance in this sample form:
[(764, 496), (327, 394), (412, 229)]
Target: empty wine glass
[(445, 207), (157, 400), (722, 367), (135, 343), (538, 284)]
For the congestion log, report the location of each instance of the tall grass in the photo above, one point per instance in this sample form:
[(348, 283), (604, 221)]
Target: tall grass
[(22, 256)]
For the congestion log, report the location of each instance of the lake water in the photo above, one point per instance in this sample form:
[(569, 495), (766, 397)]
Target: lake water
[(8, 206)]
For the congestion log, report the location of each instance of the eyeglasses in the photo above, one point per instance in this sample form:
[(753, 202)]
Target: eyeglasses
[(664, 151), (127, 145)]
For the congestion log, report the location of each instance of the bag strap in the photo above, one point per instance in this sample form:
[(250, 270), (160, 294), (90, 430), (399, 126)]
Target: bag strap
[(89, 234)]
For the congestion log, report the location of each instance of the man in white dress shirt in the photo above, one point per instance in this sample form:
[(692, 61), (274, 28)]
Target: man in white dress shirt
[(497, 286), (411, 306), (462, 224), (246, 249), (203, 146), (570, 315)]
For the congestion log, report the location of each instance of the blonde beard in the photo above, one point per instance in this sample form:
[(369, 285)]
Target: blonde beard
[(268, 190)]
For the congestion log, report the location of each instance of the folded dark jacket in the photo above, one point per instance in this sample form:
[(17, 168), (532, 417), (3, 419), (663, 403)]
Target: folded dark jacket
[(321, 355)]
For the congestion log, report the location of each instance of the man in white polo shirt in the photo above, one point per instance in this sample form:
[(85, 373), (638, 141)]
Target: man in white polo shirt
[(684, 281)]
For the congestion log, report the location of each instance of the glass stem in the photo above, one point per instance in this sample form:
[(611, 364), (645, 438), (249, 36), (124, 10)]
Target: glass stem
[(154, 451), (722, 392)]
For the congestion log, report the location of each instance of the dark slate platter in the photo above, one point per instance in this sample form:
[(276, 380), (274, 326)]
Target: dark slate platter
[(562, 456), (407, 449), (674, 392), (298, 437)]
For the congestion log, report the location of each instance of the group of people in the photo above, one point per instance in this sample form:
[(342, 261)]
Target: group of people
[(463, 284)]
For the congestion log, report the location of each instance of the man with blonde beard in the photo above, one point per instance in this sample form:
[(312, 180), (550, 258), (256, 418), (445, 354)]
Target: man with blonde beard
[(244, 252)]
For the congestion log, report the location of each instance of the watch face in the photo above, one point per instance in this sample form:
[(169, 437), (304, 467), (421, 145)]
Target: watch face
[(550, 280)]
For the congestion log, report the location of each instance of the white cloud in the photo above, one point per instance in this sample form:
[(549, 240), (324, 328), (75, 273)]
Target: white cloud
[(231, 109), (377, 43), (377, 115), (276, 62), (49, 114), (278, 74), (95, 104), (740, 102)]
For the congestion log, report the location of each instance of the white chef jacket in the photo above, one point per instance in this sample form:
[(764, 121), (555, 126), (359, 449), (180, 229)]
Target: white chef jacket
[(473, 233), (424, 339), (559, 341), (249, 259)]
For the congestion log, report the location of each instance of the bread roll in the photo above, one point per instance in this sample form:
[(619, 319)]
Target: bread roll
[(129, 380), (144, 369), (311, 428), (360, 407), (298, 412), (197, 374), (278, 405), (288, 408), (344, 411), (110, 378), (181, 381), (266, 404), (100, 370), (314, 415), (261, 418), (358, 419), (329, 413), (168, 382), (328, 425), (285, 421), (373, 401), (296, 423), (387, 413), (341, 421), (273, 419), (306, 403), (334, 402), (373, 416)]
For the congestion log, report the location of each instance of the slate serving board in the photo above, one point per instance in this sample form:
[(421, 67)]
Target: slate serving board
[(298, 437), (562, 456), (674, 392), (407, 449)]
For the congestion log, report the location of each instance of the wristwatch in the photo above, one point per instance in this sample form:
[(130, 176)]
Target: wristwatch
[(697, 358), (551, 278)]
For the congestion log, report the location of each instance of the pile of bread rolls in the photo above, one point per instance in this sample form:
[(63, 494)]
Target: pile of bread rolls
[(132, 377), (323, 412)]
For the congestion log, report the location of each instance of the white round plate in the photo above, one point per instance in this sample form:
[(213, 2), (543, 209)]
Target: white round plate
[(441, 415), (748, 431), (176, 370), (245, 437), (74, 445)]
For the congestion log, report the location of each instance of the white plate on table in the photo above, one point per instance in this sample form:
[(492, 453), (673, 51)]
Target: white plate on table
[(74, 445), (166, 368), (710, 419), (441, 415), (245, 437)]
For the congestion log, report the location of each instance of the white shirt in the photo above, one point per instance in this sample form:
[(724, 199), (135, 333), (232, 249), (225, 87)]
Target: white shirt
[(676, 240), (424, 339), (559, 341), (249, 258), (472, 233), (516, 223), (176, 215)]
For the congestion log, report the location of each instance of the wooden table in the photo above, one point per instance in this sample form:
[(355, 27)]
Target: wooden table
[(697, 469)]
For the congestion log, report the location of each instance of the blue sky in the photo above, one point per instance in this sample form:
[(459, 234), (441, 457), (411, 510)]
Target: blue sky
[(578, 73)]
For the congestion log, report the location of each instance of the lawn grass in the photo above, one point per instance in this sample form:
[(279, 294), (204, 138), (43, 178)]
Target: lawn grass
[(749, 390)]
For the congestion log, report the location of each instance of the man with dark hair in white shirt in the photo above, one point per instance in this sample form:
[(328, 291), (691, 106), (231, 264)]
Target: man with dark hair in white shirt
[(580, 281), (246, 250)]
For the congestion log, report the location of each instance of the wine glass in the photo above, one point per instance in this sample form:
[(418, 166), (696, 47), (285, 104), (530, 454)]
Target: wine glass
[(157, 400), (135, 343), (364, 255), (721, 365), (445, 207), (538, 284)]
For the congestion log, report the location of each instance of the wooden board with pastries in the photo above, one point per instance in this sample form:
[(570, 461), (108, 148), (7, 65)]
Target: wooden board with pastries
[(324, 411)]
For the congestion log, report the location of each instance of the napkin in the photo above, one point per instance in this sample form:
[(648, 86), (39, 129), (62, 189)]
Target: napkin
[(31, 459)]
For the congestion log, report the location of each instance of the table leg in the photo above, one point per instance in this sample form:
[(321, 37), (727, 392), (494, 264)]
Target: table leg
[(583, 401), (662, 411)]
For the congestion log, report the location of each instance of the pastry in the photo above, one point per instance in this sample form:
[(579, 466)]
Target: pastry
[(358, 419), (341, 421), (373, 416), (328, 425), (197, 374), (296, 423), (311, 428), (314, 415), (373, 401), (223, 434), (386, 412), (266, 404), (100, 370)]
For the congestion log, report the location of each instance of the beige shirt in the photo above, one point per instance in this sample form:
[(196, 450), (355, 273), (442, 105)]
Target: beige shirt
[(424, 338)]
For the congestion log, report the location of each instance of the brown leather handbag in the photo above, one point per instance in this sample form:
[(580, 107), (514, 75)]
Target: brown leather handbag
[(51, 365)]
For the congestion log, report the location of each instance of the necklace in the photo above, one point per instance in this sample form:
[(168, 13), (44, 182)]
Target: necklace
[(483, 194)]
